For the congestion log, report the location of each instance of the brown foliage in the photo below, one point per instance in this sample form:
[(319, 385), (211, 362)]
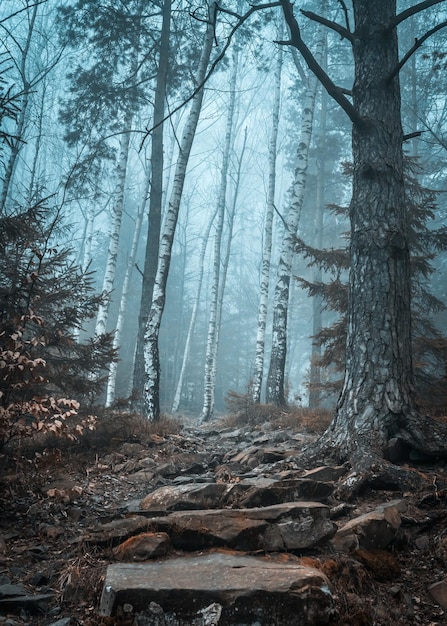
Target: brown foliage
[(245, 411)]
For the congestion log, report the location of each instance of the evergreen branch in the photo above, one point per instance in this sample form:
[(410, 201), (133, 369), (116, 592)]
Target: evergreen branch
[(215, 63), (338, 28), (417, 44), (333, 90), (417, 8)]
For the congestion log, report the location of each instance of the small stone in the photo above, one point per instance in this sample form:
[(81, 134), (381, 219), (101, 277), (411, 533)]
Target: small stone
[(422, 543), (143, 547), (438, 591)]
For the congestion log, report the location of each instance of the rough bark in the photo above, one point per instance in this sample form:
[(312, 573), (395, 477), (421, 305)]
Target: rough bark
[(378, 386), (151, 352), (267, 244), (376, 405)]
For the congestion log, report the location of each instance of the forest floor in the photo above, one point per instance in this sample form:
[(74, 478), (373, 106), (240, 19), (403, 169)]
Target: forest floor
[(51, 496)]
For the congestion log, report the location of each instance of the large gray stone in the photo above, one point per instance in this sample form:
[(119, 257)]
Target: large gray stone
[(260, 491), (287, 526), (185, 497), (240, 590)]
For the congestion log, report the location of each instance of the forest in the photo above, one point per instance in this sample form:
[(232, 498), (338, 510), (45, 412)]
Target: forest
[(208, 206), (223, 312)]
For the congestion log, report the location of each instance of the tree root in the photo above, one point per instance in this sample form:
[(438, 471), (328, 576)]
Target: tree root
[(416, 438), (370, 470)]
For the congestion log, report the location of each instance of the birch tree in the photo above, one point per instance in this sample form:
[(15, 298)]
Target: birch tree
[(268, 230), (275, 378), (317, 304), (117, 336), (151, 352), (192, 321), (155, 205), (213, 326), (114, 237)]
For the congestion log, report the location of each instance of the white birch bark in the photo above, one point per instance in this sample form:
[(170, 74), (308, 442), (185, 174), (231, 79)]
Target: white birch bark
[(112, 253), (113, 370), (317, 304), (192, 322), (151, 353), (154, 223), (212, 337), (267, 244), (275, 379)]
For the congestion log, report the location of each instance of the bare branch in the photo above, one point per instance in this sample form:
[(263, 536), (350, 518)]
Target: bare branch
[(29, 6), (346, 14), (333, 90), (417, 44), (338, 28), (214, 64), (298, 65), (417, 133), (417, 8)]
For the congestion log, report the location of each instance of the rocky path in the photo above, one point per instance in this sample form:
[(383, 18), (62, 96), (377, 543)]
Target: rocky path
[(215, 526)]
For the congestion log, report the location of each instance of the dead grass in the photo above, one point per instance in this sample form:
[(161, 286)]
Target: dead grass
[(246, 412)]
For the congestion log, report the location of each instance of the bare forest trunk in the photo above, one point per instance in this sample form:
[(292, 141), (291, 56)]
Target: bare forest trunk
[(275, 379), (178, 391), (151, 352), (18, 140), (155, 207), (117, 214), (317, 304), (267, 245), (111, 380), (213, 330), (378, 386)]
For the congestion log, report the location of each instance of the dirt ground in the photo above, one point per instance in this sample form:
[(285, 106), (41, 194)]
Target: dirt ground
[(50, 496)]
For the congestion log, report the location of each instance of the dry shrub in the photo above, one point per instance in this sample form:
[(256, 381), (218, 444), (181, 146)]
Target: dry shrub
[(244, 411), (113, 428)]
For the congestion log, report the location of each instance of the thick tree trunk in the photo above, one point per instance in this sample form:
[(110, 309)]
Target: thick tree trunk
[(151, 352), (377, 393), (267, 246), (376, 407), (275, 378)]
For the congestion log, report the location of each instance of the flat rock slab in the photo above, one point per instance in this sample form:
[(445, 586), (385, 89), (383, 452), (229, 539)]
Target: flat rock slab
[(240, 590), (185, 497), (287, 526)]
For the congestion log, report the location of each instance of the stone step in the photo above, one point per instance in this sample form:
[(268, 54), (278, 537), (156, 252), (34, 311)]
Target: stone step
[(218, 589)]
